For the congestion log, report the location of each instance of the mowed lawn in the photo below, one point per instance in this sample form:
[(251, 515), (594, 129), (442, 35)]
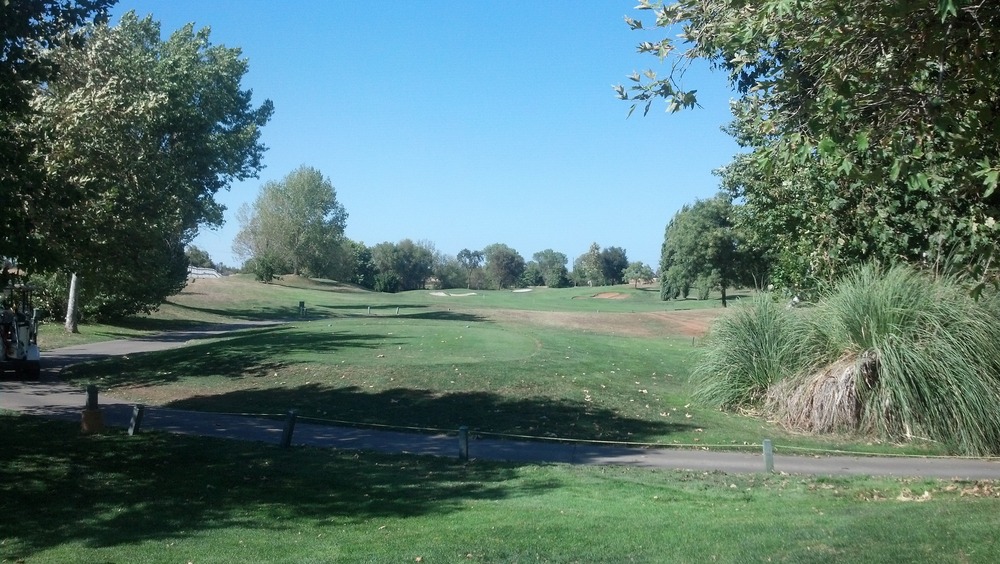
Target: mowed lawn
[(161, 498), (600, 364), (607, 364)]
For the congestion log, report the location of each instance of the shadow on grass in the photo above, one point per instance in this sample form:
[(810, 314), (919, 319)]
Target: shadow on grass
[(59, 487), (249, 354), (355, 311), (408, 407), (375, 307), (261, 313), (156, 325)]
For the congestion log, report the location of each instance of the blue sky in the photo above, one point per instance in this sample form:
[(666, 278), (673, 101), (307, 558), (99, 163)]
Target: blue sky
[(467, 123)]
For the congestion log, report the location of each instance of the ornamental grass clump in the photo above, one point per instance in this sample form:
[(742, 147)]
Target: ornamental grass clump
[(900, 355), (756, 344)]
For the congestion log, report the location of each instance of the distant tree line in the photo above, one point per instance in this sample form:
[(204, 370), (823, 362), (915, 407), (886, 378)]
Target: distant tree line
[(296, 226)]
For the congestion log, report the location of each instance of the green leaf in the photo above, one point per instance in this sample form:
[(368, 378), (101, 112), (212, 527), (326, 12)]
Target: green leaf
[(861, 139), (990, 180), (827, 146), (894, 171), (947, 8), (846, 166)]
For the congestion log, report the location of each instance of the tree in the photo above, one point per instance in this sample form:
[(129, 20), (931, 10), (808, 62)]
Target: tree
[(28, 29), (449, 271), (402, 266), (136, 135), (638, 272), (198, 257), (613, 261), (587, 267), (552, 266), (362, 265), (471, 261), (871, 127), (297, 220), (532, 275), (701, 248), (504, 265)]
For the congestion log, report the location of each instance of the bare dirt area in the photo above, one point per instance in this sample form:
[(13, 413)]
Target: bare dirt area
[(691, 323)]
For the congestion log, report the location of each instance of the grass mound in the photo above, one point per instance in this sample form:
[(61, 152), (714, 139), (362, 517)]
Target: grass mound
[(895, 354)]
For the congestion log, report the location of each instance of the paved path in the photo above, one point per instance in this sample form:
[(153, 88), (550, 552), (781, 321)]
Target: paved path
[(52, 398)]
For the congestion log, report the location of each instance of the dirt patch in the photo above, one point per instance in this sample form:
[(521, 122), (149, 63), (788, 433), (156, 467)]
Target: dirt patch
[(693, 323), (610, 296)]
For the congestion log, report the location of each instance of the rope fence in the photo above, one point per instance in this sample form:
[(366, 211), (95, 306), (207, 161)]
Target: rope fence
[(291, 418), (475, 433)]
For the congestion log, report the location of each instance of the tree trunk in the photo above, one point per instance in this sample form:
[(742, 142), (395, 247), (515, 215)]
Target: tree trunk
[(723, 296), (71, 316)]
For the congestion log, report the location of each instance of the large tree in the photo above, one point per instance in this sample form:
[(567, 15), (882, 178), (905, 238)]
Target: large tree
[(28, 29), (296, 221), (471, 261), (614, 261), (638, 272), (406, 264), (552, 266), (450, 272), (504, 265), (136, 135), (873, 128), (701, 247), (587, 267)]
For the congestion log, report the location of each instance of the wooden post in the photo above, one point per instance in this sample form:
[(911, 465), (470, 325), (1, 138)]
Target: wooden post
[(369, 310), (302, 309), (463, 443), (93, 419), (91, 397), (397, 310), (768, 456), (286, 436), (137, 412)]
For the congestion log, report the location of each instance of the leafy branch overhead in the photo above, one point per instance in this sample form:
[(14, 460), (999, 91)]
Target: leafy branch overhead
[(871, 127)]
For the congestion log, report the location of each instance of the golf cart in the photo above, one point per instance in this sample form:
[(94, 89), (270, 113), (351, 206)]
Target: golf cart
[(19, 322)]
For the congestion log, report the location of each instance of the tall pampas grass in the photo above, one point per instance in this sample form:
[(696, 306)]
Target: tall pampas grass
[(893, 353)]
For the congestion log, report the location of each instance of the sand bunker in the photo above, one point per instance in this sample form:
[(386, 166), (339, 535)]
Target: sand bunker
[(522, 290), (610, 296), (445, 294)]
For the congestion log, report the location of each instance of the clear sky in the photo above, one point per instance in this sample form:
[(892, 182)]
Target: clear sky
[(467, 123)]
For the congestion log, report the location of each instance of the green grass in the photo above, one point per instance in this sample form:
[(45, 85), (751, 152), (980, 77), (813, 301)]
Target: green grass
[(440, 363), (438, 371), (160, 498)]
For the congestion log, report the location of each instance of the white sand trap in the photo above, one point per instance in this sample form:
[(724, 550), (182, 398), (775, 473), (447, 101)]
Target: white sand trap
[(462, 295), (438, 294), (522, 290)]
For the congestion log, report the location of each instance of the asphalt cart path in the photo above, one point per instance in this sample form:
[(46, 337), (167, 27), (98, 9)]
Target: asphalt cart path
[(53, 398)]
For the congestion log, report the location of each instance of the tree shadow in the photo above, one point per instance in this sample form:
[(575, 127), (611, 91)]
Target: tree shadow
[(259, 313), (479, 411), (355, 311), (153, 324), (441, 315), (248, 354), (59, 487)]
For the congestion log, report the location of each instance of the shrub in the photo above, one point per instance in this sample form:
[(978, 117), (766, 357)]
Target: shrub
[(899, 354), (758, 342)]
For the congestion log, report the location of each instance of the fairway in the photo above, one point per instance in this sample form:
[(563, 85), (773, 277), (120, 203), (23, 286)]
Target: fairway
[(569, 363), (563, 368)]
